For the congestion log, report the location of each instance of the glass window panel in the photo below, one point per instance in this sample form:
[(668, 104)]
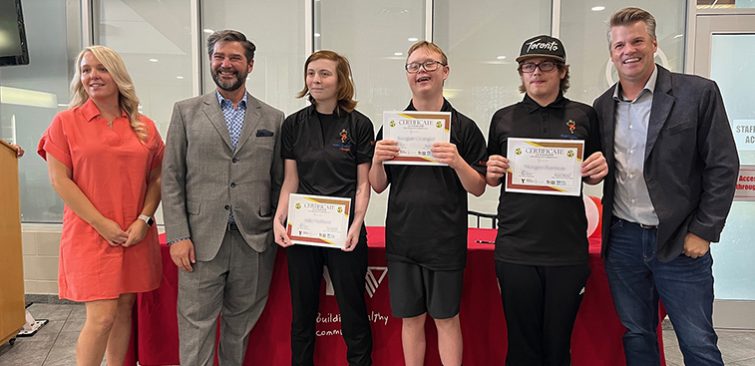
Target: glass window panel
[(276, 27), (733, 268), (54, 40), (374, 36), (482, 39)]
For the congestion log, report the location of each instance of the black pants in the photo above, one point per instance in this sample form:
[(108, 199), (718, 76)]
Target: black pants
[(347, 272), (540, 303)]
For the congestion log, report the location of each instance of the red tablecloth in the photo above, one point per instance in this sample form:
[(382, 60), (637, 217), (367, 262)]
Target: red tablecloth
[(596, 339)]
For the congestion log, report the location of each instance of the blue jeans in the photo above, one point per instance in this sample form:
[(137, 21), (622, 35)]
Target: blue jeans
[(685, 285)]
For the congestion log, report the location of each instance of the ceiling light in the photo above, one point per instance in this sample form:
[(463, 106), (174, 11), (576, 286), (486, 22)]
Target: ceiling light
[(153, 60), (179, 77), (678, 36), (598, 8), (208, 30), (412, 39), (501, 58), (317, 35), (398, 53)]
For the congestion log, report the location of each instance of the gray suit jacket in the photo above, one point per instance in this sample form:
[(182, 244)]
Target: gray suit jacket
[(203, 178), (691, 162)]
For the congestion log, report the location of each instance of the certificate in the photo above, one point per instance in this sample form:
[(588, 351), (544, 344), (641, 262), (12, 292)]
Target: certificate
[(544, 166), (416, 132), (318, 220)]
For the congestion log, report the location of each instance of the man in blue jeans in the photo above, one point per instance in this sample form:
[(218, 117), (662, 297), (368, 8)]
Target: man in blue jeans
[(673, 168)]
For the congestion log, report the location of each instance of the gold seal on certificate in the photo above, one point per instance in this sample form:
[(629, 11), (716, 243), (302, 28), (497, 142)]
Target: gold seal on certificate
[(318, 220), (544, 166), (416, 132)]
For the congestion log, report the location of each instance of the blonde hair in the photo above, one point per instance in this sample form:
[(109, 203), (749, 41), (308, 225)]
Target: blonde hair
[(430, 46), (629, 16), (345, 92), (127, 99)]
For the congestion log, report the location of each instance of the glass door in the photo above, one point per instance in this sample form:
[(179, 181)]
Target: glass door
[(724, 48)]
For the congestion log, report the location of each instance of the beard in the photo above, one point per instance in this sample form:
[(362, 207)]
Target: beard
[(230, 85)]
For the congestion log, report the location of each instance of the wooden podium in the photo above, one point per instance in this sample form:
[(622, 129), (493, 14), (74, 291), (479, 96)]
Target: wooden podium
[(12, 310)]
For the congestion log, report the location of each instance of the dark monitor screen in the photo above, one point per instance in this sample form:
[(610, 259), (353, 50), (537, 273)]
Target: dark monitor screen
[(13, 50)]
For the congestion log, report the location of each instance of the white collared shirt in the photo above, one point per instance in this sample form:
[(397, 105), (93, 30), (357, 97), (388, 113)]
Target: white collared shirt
[(632, 200)]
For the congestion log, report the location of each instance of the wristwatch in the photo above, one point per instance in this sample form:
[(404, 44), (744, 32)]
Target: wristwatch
[(147, 219)]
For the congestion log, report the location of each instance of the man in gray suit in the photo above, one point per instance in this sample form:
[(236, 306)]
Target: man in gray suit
[(221, 178), (673, 168)]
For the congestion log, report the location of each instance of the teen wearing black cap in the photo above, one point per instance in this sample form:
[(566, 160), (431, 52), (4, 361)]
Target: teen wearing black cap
[(327, 148), (541, 248), (426, 224)]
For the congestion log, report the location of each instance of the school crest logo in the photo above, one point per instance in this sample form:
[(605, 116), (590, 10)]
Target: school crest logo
[(339, 209), (571, 125), (298, 205), (518, 151), (570, 153), (439, 124), (393, 123), (344, 142)]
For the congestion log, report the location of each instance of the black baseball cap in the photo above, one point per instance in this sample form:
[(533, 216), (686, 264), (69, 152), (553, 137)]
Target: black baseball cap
[(542, 46)]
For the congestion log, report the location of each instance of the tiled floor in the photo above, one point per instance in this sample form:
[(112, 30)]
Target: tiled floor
[(54, 344)]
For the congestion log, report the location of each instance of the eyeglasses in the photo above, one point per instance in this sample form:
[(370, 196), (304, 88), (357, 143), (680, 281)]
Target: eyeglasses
[(545, 66), (433, 65)]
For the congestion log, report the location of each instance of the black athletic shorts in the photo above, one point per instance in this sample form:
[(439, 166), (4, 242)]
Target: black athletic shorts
[(415, 290)]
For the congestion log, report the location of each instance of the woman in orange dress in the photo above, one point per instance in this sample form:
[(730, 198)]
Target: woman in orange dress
[(104, 160)]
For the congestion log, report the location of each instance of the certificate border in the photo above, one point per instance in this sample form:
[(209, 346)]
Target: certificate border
[(412, 159), (303, 240), (525, 188)]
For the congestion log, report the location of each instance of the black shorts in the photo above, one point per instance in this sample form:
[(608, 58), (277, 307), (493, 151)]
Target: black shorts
[(416, 290)]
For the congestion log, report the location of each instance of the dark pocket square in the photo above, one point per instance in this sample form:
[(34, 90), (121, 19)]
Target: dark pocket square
[(264, 133)]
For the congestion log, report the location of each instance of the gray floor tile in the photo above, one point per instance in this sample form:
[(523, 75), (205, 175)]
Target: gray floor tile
[(24, 353), (63, 353), (736, 345), (78, 312), (73, 324), (749, 362), (51, 311)]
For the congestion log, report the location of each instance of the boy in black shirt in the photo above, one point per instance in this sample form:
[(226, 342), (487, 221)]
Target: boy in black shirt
[(426, 223), (541, 248)]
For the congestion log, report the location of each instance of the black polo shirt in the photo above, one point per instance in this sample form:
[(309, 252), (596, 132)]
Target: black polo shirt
[(426, 221), (542, 229), (327, 150)]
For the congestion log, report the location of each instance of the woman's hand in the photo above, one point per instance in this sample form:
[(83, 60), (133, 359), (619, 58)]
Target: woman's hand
[(352, 238), (281, 238), (19, 150), (136, 232), (112, 232)]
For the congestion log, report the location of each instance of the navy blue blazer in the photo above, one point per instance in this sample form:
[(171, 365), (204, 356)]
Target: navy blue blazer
[(691, 162)]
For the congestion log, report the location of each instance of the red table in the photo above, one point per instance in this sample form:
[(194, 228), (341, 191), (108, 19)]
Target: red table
[(596, 338)]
